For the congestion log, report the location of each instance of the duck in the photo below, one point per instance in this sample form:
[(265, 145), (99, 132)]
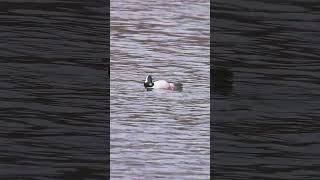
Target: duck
[(161, 84)]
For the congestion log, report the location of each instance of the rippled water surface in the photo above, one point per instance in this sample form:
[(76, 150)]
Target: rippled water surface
[(267, 126), (160, 134), (53, 100)]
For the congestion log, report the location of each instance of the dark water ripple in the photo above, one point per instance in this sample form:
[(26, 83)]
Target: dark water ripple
[(53, 100), (268, 126)]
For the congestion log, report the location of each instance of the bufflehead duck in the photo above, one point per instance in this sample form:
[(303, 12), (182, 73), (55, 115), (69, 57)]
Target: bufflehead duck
[(161, 84)]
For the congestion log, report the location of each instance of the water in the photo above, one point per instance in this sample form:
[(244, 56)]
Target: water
[(53, 87), (266, 124), (160, 134)]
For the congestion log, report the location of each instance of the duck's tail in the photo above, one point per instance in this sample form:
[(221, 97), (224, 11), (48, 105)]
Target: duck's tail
[(178, 86)]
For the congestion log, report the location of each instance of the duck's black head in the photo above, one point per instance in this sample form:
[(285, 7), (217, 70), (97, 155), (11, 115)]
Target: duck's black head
[(148, 83)]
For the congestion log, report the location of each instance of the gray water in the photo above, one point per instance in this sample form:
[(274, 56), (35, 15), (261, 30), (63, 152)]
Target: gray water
[(54, 90), (160, 134), (266, 123)]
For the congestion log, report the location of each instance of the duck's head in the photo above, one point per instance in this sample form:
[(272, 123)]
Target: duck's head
[(148, 82)]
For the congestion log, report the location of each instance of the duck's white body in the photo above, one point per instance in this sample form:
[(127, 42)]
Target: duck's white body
[(161, 84)]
